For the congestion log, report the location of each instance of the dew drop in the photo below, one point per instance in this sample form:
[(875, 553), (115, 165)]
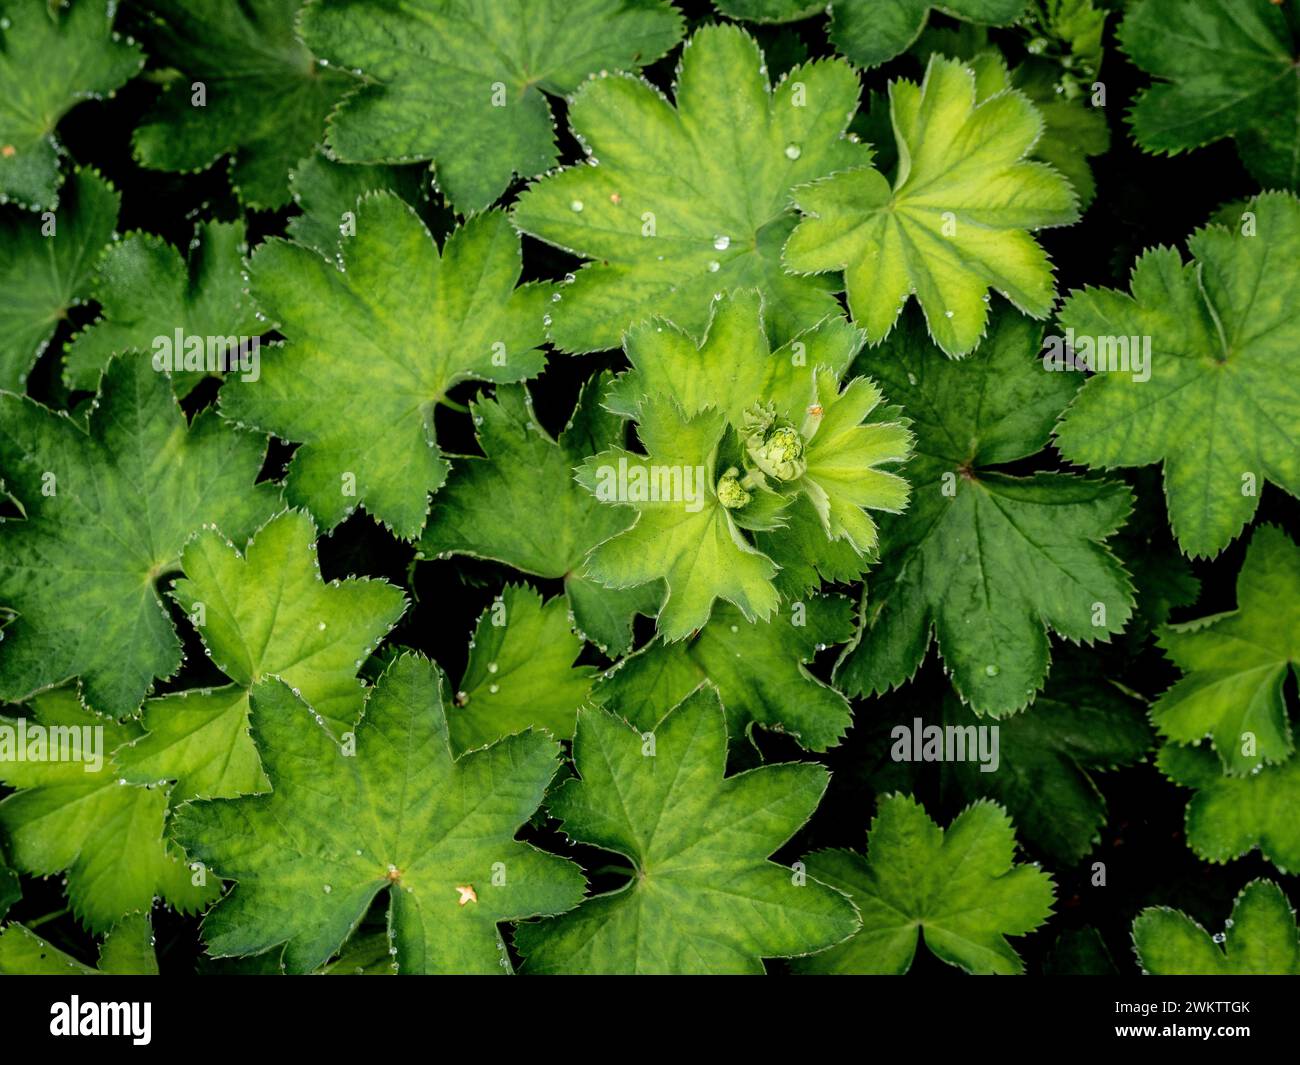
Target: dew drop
[(492, 667), (576, 205), (721, 243), (793, 151), (991, 670)]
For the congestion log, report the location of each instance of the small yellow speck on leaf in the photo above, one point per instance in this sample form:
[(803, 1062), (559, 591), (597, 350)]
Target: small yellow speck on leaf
[(467, 893), (8, 151)]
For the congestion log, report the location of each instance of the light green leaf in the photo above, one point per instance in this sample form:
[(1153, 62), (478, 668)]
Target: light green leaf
[(1228, 71), (52, 58), (1215, 396), (127, 950), (108, 507), (757, 667), (1235, 663), (398, 814), (703, 897), (463, 82), (265, 96), (148, 293), (374, 344), (1260, 938), (76, 816), (46, 266), (692, 200), (520, 505), (956, 221), (961, 888), (986, 562), (520, 672)]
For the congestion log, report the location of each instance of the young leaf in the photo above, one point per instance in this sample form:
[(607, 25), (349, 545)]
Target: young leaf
[(399, 814), (1229, 817), (1216, 395), (148, 294), (757, 667), (520, 505), (127, 950), (1236, 663), (374, 344), (956, 221), (466, 86), (691, 542), (1260, 938), (871, 32), (986, 562), (520, 672), (78, 817), (51, 58), (692, 200), (108, 508), (961, 888), (704, 898), (1229, 71), (249, 89), (46, 266)]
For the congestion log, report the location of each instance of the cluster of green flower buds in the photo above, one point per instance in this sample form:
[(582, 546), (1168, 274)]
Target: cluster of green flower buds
[(773, 446), (731, 493)]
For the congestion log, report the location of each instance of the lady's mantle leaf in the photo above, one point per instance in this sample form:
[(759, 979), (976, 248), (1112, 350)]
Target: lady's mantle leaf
[(757, 667), (1236, 663), (520, 505), (1228, 71), (520, 672), (373, 344), (1219, 407), (265, 97), (82, 819), (960, 888), (462, 82), (147, 294), (1260, 939), (704, 898), (956, 221), (692, 200), (52, 58), (987, 562), (394, 812), (127, 950), (108, 509), (46, 266)]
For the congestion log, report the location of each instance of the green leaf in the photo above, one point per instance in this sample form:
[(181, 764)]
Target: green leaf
[(52, 58), (397, 814), (1229, 817), (960, 887), (956, 221), (464, 83), (704, 898), (1050, 755), (691, 541), (1229, 71), (11, 889), (692, 200), (109, 506), (757, 667), (127, 950), (374, 344), (148, 293), (520, 505), (1235, 663), (1214, 399), (986, 562), (46, 266), (78, 817), (1259, 939), (871, 32), (263, 613), (520, 672), (265, 96)]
